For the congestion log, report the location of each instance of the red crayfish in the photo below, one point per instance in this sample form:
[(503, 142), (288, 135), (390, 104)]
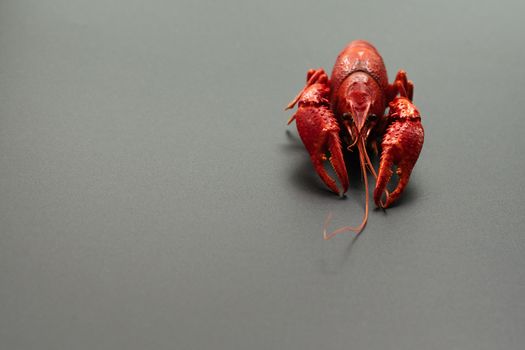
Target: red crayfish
[(349, 109)]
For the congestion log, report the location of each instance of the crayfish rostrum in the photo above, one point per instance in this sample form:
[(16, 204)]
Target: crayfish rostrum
[(347, 111)]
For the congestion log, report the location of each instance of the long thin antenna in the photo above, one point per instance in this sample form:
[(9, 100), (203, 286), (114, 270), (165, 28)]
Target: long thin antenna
[(310, 81), (358, 229)]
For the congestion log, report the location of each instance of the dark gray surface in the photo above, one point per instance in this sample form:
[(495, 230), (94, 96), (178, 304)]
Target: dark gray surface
[(150, 197)]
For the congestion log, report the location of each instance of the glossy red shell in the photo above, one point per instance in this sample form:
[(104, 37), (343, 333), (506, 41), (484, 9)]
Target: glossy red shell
[(359, 61)]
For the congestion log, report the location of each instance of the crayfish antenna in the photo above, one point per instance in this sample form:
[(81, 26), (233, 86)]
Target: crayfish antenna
[(327, 236), (372, 170), (358, 229), (364, 159), (349, 148), (291, 119), (313, 78)]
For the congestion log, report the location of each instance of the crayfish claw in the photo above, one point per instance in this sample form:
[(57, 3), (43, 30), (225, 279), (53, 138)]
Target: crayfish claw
[(319, 129), (333, 144), (401, 146), (324, 146)]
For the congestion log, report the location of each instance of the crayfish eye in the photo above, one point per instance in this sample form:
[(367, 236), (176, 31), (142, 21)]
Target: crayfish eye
[(346, 116), (372, 117)]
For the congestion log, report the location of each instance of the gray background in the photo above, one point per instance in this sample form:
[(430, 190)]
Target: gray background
[(150, 197)]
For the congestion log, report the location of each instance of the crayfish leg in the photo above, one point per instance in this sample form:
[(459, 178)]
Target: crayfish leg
[(401, 86)]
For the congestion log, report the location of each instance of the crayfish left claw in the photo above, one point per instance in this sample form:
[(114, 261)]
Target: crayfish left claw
[(335, 156), (319, 129), (401, 146)]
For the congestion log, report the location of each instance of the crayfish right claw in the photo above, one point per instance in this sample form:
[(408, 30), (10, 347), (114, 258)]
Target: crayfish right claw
[(401, 146)]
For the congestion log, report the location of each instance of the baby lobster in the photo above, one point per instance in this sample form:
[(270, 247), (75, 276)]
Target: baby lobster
[(350, 108)]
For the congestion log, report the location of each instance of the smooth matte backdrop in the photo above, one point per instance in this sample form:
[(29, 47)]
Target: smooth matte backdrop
[(152, 196)]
